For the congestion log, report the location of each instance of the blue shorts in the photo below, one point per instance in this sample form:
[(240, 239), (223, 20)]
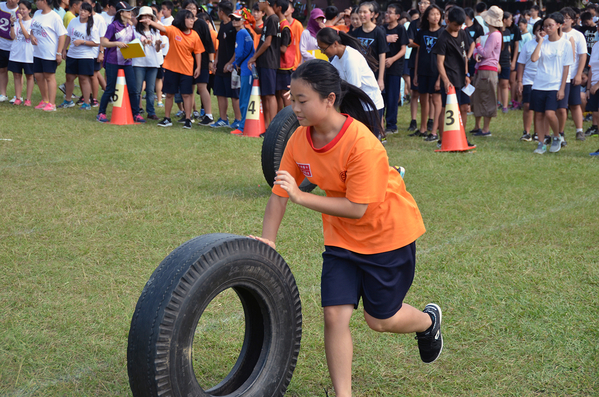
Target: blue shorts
[(222, 87), (83, 67), (268, 81), (463, 99), (160, 74), (526, 91), (593, 103), (203, 77), (4, 56), (381, 280), (177, 83), (574, 97), (44, 66), (505, 73), (20, 67), (406, 68), (563, 104), (541, 101), (283, 80), (426, 84)]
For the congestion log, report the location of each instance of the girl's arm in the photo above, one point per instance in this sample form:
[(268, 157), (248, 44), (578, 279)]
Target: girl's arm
[(111, 44), (12, 27), (562, 89), (519, 75), (67, 41), (416, 66), (382, 57), (515, 56), (160, 27), (537, 52), (273, 215)]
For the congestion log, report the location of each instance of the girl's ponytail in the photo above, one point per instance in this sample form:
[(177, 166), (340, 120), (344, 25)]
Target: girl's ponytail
[(354, 102), (329, 36), (90, 21)]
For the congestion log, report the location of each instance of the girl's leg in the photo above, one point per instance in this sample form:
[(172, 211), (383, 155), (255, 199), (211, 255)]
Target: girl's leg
[(477, 122), (168, 105), (552, 120), (527, 116), (486, 124), (414, 104), (437, 112), (43, 86), (205, 97), (159, 89), (539, 124), (132, 87), (187, 104), (514, 86), (339, 347), (101, 80), (70, 86), (30, 85), (464, 114), (51, 82), (424, 110), (140, 75), (504, 92), (86, 87), (408, 319), (562, 116), (18, 84), (111, 75), (3, 80)]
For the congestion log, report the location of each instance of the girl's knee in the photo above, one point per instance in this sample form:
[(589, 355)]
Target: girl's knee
[(375, 324)]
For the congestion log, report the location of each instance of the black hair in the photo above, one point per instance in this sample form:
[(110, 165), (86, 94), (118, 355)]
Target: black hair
[(396, 7), (424, 23), (179, 21), (206, 17), (331, 12), (256, 7), (168, 4), (538, 25), (413, 12), (535, 8), (90, 20), (73, 2), (140, 28), (451, 3), (284, 4), (329, 36), (480, 7), (456, 14), (226, 7), (324, 79), (558, 18), (506, 15), (522, 20), (188, 2), (586, 16), (569, 12), (373, 6), (27, 4)]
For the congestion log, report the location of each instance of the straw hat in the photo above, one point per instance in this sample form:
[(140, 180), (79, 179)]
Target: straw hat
[(145, 10), (493, 17)]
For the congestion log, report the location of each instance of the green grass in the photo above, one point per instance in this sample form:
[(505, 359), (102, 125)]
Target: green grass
[(90, 210)]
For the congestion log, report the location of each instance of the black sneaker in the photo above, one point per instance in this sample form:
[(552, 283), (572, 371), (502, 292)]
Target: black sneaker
[(429, 125), (547, 140), (591, 131), (430, 342), (563, 135), (187, 124), (431, 138), (526, 137), (413, 126), (476, 130), (166, 122), (182, 119), (207, 121), (535, 137), (417, 133)]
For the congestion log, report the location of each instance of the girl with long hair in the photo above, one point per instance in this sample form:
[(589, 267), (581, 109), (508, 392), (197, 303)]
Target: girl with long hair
[(21, 53)]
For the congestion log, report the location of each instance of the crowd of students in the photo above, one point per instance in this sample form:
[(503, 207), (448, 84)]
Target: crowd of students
[(430, 48)]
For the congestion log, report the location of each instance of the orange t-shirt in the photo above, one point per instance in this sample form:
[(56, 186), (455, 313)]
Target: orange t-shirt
[(355, 165), (288, 58), (341, 28), (296, 29), (257, 36), (179, 58)]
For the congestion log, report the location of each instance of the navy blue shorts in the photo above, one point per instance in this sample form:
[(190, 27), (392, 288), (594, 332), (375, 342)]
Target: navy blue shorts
[(574, 97), (283, 80), (20, 67), (381, 280), (4, 56), (526, 91), (593, 103), (97, 65), (83, 67), (222, 87), (177, 83), (160, 74), (426, 84), (505, 73), (463, 99), (406, 68), (563, 104), (44, 66), (541, 101), (268, 81), (203, 77)]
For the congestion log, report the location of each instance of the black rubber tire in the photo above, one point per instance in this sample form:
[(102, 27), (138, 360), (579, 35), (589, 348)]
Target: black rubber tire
[(280, 129), (159, 352)]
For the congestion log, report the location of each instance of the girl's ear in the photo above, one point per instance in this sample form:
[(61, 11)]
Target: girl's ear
[(331, 99)]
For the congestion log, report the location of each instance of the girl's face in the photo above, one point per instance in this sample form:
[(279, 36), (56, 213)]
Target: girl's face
[(189, 22), (434, 16), (550, 26), (126, 15), (237, 23), (41, 5), (193, 9), (356, 21), (23, 11), (309, 108), (84, 14), (508, 22), (145, 19), (365, 14)]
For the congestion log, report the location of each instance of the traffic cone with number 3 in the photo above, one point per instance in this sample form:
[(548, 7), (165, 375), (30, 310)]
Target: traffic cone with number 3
[(454, 136), (254, 119)]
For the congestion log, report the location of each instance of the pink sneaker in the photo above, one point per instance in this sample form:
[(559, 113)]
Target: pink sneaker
[(237, 132), (41, 105), (18, 102), (27, 103), (49, 108)]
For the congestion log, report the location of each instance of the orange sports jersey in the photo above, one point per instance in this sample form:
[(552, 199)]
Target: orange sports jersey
[(341, 28), (179, 58), (296, 29), (257, 36), (288, 58), (355, 165)]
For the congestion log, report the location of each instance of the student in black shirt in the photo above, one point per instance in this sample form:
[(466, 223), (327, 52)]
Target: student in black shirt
[(589, 30), (268, 59), (474, 30), (393, 64)]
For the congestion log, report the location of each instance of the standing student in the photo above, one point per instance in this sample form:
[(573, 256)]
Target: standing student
[(11, 7), (146, 68), (527, 70), (361, 210), (507, 59), (286, 54), (48, 36), (268, 59), (484, 98), (98, 78), (549, 87), (118, 34), (593, 94), (426, 74), (74, 7), (296, 33), (179, 72), (308, 41), (394, 65), (259, 25), (109, 12), (21, 53), (82, 36)]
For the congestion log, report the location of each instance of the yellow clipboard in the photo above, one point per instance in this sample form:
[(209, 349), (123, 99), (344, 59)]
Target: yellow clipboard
[(134, 50), (318, 54)]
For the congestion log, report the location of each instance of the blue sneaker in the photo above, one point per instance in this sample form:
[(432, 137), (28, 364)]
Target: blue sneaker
[(595, 153), (235, 124), (202, 113), (180, 113), (220, 123), (86, 106), (66, 104), (101, 117)]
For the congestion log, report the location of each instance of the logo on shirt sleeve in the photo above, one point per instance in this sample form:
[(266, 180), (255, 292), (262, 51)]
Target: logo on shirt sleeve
[(306, 170)]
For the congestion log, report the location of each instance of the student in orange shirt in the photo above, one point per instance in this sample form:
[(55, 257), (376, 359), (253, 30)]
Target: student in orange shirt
[(370, 221), (296, 30), (178, 63)]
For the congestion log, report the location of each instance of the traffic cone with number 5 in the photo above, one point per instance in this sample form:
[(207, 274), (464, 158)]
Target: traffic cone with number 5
[(254, 119), (454, 136)]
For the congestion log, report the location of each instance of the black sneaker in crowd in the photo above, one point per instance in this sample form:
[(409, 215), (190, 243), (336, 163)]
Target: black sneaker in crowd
[(413, 126), (207, 121), (431, 138), (591, 131), (547, 140), (476, 130), (430, 342), (417, 133), (563, 136), (187, 124), (429, 125), (182, 119), (535, 137), (526, 137), (166, 122)]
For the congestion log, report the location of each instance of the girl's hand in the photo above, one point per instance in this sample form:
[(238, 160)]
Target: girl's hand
[(12, 19), (77, 43), (121, 45), (437, 85), (33, 40), (381, 84), (520, 88), (560, 95), (288, 184), (415, 81), (388, 62), (392, 38), (100, 57), (265, 241), (477, 58)]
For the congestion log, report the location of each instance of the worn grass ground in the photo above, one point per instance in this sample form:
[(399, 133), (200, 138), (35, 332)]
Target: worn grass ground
[(89, 210)]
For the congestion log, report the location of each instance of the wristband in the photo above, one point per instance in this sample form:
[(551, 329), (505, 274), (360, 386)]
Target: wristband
[(59, 53)]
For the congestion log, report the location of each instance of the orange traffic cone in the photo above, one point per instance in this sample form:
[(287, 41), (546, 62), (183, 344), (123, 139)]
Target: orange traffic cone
[(454, 136), (254, 119), (121, 107)]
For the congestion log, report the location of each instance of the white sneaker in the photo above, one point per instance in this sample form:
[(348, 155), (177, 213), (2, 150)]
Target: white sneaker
[(556, 144), (3, 98), (12, 101)]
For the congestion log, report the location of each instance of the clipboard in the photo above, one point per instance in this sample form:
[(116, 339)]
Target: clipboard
[(318, 54), (134, 50)]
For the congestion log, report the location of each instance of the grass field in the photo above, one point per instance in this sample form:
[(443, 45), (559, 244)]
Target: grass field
[(89, 210)]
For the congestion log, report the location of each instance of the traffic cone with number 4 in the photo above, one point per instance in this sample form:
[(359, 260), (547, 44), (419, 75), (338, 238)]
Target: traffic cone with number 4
[(454, 136), (254, 118)]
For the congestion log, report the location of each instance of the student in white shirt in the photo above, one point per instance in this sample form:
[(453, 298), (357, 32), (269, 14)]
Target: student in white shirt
[(527, 69), (84, 37), (549, 87), (48, 36), (98, 78), (10, 6), (21, 53), (146, 68)]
